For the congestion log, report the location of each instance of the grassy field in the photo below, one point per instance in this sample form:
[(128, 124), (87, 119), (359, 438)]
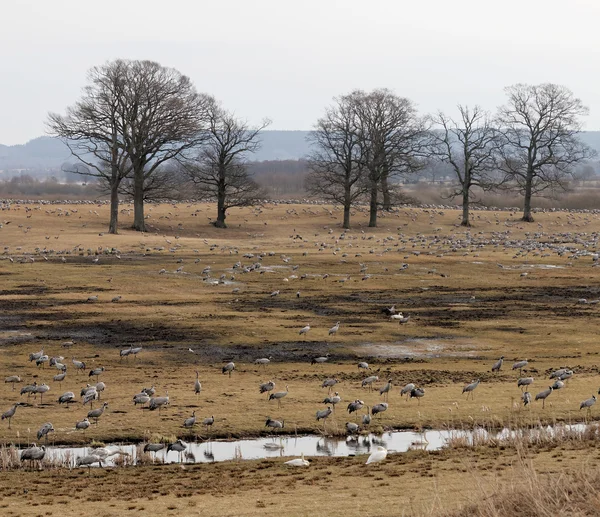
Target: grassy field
[(500, 288)]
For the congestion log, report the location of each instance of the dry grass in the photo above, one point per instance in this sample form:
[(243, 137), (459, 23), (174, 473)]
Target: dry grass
[(451, 339)]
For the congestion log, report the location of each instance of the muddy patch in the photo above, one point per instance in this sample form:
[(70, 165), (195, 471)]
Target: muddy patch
[(426, 348)]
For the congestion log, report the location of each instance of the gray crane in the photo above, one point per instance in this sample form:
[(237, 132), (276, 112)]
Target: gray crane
[(417, 393), (519, 365), (274, 424), (377, 409), (526, 398), (323, 414), (59, 378), (79, 365), (263, 361), (90, 396), (524, 382), (470, 388), (10, 413), (33, 454), (566, 375), (587, 404), (329, 383), (208, 422), (498, 365), (149, 391), (41, 389), (543, 395), (407, 389), (278, 396), (355, 406), (88, 460), (266, 387), (29, 389), (320, 360), (179, 446), (13, 379), (352, 428), (191, 421), (154, 447), (100, 387), (159, 402), (333, 400), (363, 365), (41, 360), (197, 384), (96, 372), (228, 368), (333, 330), (369, 381), (141, 398), (125, 353), (385, 389), (366, 419), (67, 398), (557, 373), (36, 355), (558, 385), (82, 424), (44, 430), (97, 413)]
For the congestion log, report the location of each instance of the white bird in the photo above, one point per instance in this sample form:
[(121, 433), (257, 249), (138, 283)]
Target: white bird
[(298, 462), (304, 330), (378, 454)]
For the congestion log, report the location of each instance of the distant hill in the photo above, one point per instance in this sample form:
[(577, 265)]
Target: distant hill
[(46, 153)]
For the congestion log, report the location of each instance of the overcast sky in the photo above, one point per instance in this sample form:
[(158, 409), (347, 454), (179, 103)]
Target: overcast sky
[(285, 60)]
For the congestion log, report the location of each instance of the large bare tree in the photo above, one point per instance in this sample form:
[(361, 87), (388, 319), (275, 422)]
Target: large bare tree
[(92, 130), (336, 168), (471, 147), (219, 170), (393, 139), (540, 126), (163, 117)]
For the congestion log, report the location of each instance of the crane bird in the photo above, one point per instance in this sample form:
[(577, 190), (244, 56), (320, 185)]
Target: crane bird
[(44, 430), (88, 460), (355, 406), (369, 381), (298, 462), (67, 398), (40, 361), (333, 330), (543, 395), (154, 447), (13, 379), (11, 412), (100, 387), (208, 422), (323, 414), (385, 389), (159, 402), (519, 365), (524, 381), (558, 385), (566, 376), (352, 428), (379, 408), (179, 446), (266, 387), (141, 398), (191, 421), (304, 330), (79, 365), (96, 372), (278, 396), (379, 454), (366, 419), (197, 384), (41, 389), (363, 366), (125, 352), (320, 360), (498, 365), (33, 454), (29, 389), (97, 413), (264, 361), (59, 378), (228, 368), (417, 393), (274, 424), (557, 373), (526, 398), (329, 383), (149, 391), (400, 318), (470, 388), (82, 424), (407, 389), (587, 404), (36, 355)]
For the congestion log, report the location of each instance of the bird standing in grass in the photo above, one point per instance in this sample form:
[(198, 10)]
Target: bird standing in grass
[(470, 388), (228, 368), (379, 454), (304, 330), (498, 365), (543, 395)]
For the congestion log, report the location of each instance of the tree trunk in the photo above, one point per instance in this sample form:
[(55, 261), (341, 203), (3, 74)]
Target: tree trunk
[(220, 222), (373, 206), (114, 207), (465, 207), (346, 224), (385, 188), (139, 223), (527, 217)]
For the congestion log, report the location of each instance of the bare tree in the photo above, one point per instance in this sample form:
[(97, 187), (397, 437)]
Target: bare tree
[(540, 124), (162, 117), (470, 146), (92, 131), (219, 170), (393, 140), (336, 168)]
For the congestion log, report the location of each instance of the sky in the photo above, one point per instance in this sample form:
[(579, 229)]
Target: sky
[(286, 60)]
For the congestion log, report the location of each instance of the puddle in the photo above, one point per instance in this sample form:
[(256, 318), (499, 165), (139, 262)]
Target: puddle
[(419, 347), (286, 446)]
